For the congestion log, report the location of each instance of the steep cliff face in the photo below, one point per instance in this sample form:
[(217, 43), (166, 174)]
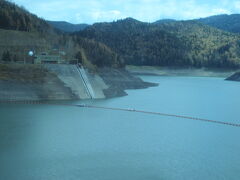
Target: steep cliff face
[(234, 77)]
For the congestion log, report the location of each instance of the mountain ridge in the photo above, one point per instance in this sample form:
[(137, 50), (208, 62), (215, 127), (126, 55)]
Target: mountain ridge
[(230, 23), (178, 43), (67, 27)]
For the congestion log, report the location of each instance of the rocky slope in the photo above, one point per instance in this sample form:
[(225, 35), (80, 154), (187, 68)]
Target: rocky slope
[(120, 80)]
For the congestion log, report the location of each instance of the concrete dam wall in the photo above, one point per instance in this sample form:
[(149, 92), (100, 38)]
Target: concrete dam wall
[(83, 84)]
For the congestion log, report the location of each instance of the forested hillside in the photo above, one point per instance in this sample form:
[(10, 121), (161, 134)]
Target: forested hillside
[(206, 46), (181, 43), (138, 43), (15, 18), (21, 31)]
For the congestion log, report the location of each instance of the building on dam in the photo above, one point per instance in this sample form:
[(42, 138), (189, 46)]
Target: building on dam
[(47, 58)]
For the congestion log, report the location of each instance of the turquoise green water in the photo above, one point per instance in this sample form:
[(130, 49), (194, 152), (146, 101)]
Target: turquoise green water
[(43, 142)]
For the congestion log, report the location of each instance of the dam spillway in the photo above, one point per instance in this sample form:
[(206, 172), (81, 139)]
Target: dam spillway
[(83, 84), (86, 82)]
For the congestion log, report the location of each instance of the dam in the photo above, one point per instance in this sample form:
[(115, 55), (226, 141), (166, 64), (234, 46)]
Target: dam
[(83, 84), (56, 82)]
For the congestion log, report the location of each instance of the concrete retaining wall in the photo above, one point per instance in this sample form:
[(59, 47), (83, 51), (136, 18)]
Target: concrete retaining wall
[(83, 84)]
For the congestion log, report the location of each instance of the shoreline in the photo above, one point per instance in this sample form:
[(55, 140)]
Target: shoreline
[(62, 82), (36, 84), (180, 71)]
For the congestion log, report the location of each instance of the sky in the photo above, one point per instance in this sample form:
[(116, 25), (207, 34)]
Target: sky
[(91, 11)]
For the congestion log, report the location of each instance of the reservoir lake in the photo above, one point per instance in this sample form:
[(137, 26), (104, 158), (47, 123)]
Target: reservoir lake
[(49, 142)]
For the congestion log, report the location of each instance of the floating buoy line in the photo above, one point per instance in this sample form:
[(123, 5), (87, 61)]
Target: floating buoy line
[(124, 109)]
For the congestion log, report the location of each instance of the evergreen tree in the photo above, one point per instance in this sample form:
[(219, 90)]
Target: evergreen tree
[(6, 57), (79, 57)]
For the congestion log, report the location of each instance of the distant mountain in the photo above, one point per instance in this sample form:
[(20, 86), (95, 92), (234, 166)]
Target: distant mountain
[(164, 21), (180, 43), (230, 23), (67, 27)]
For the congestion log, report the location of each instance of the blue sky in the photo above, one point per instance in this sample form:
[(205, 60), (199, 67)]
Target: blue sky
[(90, 11)]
